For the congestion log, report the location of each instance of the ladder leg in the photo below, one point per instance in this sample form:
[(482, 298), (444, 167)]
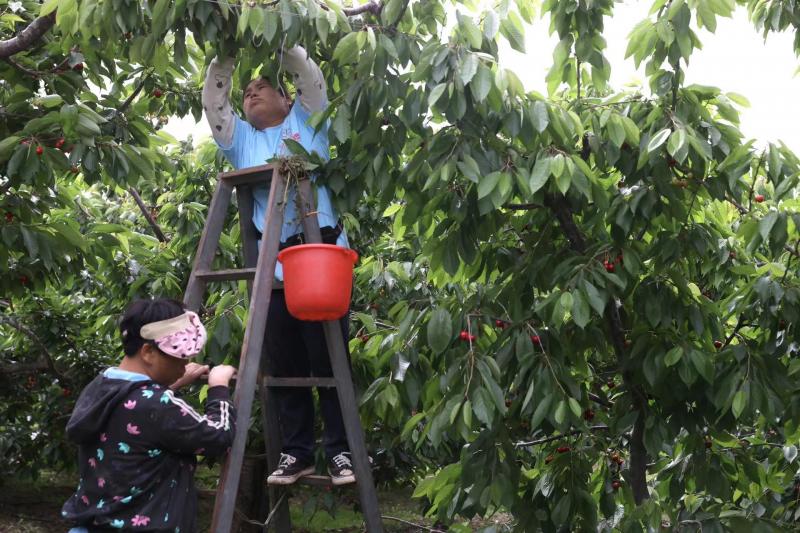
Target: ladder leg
[(352, 424), (249, 363), (278, 496), (208, 243), (344, 383)]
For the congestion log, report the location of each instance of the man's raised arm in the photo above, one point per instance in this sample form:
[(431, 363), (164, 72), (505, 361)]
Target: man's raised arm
[(216, 100), (307, 79)]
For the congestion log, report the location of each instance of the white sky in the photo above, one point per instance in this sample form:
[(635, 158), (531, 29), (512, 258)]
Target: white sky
[(735, 58)]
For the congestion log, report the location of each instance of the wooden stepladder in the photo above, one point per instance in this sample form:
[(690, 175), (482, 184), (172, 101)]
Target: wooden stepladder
[(259, 271)]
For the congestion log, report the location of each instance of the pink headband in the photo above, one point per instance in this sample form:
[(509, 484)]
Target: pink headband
[(182, 336)]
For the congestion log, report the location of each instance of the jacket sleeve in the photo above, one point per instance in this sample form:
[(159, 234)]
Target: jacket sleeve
[(307, 79), (216, 100), (183, 430)]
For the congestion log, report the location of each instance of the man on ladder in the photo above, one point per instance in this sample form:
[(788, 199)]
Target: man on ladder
[(296, 348)]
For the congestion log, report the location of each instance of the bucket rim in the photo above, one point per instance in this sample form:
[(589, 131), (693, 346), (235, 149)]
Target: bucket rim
[(317, 246)]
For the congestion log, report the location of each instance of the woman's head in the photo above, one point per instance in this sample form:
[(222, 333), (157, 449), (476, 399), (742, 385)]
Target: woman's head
[(145, 327), (264, 104)]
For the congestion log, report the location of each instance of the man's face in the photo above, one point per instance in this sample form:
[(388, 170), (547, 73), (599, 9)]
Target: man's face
[(264, 105)]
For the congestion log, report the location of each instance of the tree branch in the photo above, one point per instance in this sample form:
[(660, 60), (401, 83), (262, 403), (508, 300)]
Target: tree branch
[(33, 337), (147, 215), (133, 95), (371, 7), (523, 207), (24, 39), (638, 475)]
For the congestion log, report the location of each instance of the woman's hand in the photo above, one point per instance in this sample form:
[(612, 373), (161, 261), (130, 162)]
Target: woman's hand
[(192, 373)]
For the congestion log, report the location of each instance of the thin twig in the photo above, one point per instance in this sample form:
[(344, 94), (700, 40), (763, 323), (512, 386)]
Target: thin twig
[(412, 524), (148, 215), (551, 438)]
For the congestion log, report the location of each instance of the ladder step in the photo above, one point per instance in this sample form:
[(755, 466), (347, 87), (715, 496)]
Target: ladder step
[(316, 480), (299, 382), (227, 275)]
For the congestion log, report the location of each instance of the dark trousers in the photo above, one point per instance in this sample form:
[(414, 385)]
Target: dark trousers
[(297, 348)]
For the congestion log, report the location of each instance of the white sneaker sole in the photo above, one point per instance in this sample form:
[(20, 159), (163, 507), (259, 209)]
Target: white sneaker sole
[(343, 480), (289, 480)]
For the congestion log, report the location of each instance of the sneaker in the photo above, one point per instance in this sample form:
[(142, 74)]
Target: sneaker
[(289, 470), (340, 469)]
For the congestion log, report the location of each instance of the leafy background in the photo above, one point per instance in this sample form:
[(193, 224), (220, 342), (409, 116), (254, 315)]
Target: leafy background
[(579, 308)]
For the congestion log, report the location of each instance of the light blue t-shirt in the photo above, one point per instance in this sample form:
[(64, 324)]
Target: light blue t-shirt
[(251, 147)]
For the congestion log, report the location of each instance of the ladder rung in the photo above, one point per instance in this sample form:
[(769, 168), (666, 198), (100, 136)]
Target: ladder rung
[(227, 275), (300, 382)]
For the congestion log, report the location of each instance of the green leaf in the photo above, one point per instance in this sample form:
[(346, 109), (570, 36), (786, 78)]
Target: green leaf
[(436, 93), (491, 24), (539, 116), (511, 27), (469, 168), (440, 330), (487, 184), (790, 453), (658, 139), (469, 67), (561, 412), (677, 140), (347, 50), (766, 223), (596, 300), (673, 356), (575, 407), (739, 403), (481, 83), (540, 173), (470, 31), (541, 411), (580, 309), (392, 11)]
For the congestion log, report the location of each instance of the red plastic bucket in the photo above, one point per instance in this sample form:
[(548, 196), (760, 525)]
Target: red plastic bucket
[(317, 280)]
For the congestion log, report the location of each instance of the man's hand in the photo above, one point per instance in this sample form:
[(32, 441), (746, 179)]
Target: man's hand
[(192, 373), (221, 375)]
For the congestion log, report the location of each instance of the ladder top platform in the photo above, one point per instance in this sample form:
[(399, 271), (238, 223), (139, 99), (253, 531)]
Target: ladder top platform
[(248, 176)]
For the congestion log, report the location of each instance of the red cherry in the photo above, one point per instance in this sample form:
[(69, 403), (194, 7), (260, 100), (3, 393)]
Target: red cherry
[(364, 338), (66, 393), (78, 67), (157, 93), (732, 255), (74, 169), (508, 403), (563, 449), (23, 279), (500, 324), (759, 198), (628, 343), (588, 415), (615, 457), (548, 459), (708, 444), (718, 344), (610, 384), (25, 142), (609, 266), (472, 338), (39, 150), (9, 217), (536, 340), (616, 485), (60, 142), (464, 335), (671, 162), (781, 324)]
